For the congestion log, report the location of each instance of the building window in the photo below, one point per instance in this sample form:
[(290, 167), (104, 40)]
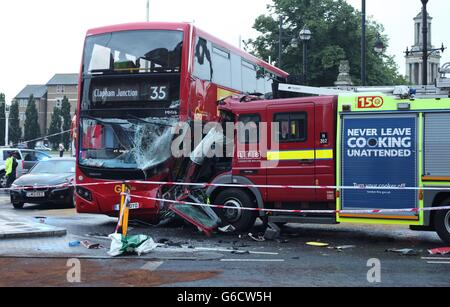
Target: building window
[(23, 103), (60, 89), (58, 102)]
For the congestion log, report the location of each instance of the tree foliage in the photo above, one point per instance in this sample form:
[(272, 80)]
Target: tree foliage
[(67, 120), (336, 28), (55, 127), (15, 131), (31, 127)]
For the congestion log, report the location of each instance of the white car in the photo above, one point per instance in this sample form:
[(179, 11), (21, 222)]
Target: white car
[(26, 159)]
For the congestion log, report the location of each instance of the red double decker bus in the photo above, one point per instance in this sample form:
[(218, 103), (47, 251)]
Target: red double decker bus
[(136, 81)]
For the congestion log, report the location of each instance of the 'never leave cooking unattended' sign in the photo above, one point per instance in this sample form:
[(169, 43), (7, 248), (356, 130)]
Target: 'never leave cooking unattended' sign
[(379, 152)]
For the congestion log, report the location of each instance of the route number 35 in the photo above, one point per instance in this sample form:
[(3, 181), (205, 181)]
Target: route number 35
[(159, 93), (370, 102)]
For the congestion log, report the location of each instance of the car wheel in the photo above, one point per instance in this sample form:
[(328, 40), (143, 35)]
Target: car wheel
[(242, 220), (442, 222), (18, 205), (2, 180)]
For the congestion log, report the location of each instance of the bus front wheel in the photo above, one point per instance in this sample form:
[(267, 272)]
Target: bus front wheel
[(442, 222)]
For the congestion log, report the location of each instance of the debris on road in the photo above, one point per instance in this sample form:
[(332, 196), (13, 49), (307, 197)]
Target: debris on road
[(272, 232), (74, 244), (342, 247), (90, 245), (227, 229), (440, 251), (404, 251), (41, 219), (317, 244), (139, 244), (257, 239)]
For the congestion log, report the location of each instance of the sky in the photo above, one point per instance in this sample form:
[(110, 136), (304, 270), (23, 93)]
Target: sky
[(39, 38)]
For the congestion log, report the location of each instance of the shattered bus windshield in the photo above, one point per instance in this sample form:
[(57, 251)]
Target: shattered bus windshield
[(117, 143), (140, 51)]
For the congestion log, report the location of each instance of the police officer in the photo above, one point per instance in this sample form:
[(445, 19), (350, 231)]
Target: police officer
[(10, 169)]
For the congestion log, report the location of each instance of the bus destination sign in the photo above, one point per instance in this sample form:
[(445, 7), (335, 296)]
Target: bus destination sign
[(129, 93)]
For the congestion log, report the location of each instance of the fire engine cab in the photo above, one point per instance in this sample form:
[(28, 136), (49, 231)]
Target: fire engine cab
[(381, 153)]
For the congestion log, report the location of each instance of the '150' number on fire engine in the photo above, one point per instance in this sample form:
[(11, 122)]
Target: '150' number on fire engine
[(370, 102)]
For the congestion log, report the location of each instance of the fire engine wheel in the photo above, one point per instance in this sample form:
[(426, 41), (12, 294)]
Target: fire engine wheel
[(442, 223), (242, 220)]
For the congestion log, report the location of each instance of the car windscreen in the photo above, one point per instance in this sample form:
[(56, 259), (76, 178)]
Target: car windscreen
[(54, 167)]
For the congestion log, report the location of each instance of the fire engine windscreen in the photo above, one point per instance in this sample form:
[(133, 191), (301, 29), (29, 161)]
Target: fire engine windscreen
[(116, 143)]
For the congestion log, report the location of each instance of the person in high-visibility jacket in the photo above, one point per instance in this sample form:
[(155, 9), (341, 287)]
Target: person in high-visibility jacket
[(10, 169)]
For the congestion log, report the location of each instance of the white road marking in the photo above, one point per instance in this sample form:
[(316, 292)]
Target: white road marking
[(438, 262), (252, 260), (152, 266)]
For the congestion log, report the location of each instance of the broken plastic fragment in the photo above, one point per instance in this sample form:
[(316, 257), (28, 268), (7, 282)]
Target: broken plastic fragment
[(257, 239), (342, 247), (227, 229), (440, 251), (404, 252)]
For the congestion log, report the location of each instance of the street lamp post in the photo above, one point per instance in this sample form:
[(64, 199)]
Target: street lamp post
[(305, 36), (280, 42), (425, 42), (7, 112), (363, 43)]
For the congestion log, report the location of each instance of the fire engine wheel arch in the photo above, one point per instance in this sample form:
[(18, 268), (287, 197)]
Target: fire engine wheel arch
[(242, 220), (442, 222)]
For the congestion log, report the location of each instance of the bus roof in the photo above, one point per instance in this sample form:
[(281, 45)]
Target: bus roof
[(185, 26)]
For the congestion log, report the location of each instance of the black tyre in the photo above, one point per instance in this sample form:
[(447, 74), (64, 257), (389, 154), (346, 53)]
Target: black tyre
[(242, 220), (442, 222), (2, 180), (18, 205)]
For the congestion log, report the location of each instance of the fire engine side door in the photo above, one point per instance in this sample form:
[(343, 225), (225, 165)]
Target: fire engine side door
[(251, 135), (291, 154)]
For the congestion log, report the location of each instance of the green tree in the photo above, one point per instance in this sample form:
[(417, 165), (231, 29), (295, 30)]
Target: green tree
[(15, 132), (336, 28), (2, 119), (67, 120), (31, 127), (55, 127)]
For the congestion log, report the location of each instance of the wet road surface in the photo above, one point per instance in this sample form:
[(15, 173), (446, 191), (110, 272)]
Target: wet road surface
[(286, 262)]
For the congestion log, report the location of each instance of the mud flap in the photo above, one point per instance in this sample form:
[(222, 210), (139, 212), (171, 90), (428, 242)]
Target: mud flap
[(204, 218)]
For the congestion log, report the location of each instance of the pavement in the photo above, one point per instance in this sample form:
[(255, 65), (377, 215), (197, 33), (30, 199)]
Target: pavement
[(14, 226), (193, 260)]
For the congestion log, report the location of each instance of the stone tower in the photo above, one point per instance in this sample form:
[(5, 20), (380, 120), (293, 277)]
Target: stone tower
[(414, 60)]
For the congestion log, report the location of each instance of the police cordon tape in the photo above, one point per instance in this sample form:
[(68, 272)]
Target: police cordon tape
[(205, 185), (44, 137), (181, 202), (186, 203)]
